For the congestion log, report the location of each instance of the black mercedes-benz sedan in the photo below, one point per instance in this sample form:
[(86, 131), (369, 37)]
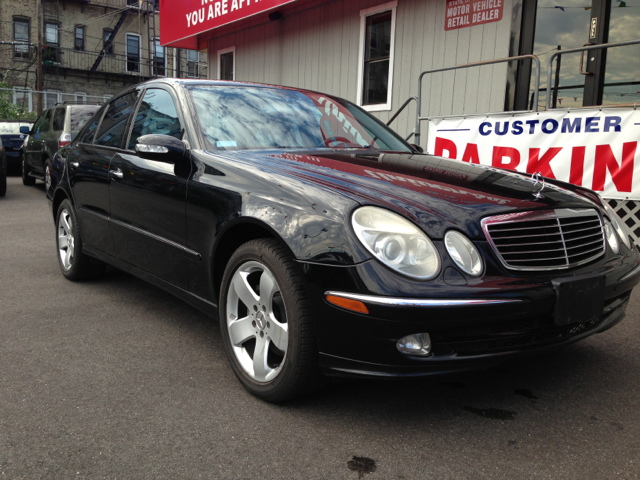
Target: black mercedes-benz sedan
[(327, 245)]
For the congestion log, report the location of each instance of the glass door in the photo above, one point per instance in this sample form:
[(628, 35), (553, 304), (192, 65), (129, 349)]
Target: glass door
[(622, 72), (598, 77), (561, 27)]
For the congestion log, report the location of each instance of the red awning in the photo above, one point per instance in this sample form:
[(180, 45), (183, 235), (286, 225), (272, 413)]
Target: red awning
[(181, 21)]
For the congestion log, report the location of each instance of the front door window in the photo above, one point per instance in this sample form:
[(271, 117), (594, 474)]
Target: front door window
[(157, 115)]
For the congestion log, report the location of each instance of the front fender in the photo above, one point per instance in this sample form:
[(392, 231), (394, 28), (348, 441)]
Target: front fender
[(313, 221), (313, 228)]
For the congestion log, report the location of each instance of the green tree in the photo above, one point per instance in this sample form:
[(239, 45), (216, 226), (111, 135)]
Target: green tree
[(8, 110)]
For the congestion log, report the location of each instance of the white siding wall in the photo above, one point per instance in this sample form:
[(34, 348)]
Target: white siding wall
[(317, 49)]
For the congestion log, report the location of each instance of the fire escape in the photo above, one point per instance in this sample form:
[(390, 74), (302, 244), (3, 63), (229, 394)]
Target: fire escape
[(60, 60)]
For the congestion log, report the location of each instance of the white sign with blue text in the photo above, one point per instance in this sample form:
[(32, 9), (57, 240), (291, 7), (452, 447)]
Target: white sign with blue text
[(593, 148)]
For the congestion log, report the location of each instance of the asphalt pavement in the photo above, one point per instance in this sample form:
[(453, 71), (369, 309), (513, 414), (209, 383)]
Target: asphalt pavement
[(113, 378)]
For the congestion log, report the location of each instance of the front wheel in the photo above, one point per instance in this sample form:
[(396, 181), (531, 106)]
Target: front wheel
[(47, 175), (26, 178), (3, 183), (266, 322)]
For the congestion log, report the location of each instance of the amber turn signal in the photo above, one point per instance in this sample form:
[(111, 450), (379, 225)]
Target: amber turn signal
[(353, 305)]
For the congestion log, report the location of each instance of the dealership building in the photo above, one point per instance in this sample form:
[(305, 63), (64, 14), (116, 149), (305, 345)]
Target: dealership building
[(373, 52)]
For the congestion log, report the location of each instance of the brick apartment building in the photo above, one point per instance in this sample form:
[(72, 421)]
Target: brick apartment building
[(89, 49)]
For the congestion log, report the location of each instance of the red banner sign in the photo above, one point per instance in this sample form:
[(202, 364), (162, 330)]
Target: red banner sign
[(182, 20), (467, 13)]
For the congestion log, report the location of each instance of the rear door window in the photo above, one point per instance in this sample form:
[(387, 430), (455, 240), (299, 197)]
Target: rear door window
[(79, 116), (58, 120), (115, 119), (89, 132)]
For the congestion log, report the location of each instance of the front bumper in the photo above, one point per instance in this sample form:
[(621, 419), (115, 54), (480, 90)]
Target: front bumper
[(471, 326)]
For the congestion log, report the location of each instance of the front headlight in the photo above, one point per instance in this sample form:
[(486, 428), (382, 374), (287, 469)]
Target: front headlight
[(396, 242), (617, 223)]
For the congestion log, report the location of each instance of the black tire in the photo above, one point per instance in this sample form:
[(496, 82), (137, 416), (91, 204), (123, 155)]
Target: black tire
[(48, 166), (3, 183), (26, 179), (79, 266), (297, 373)]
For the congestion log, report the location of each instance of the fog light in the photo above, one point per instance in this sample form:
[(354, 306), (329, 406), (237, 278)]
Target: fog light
[(415, 344)]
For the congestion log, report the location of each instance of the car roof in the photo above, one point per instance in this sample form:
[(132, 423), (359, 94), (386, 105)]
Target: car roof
[(195, 81)]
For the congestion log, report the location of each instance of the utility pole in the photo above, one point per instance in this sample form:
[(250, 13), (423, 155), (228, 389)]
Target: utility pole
[(39, 79)]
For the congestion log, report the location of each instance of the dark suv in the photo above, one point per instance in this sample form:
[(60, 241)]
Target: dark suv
[(12, 140), (54, 129)]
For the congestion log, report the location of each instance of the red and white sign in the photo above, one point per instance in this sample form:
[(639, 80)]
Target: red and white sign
[(182, 20), (467, 13), (596, 149)]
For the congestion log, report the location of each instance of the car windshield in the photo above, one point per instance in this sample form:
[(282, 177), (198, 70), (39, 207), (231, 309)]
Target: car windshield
[(234, 118), (79, 116), (13, 127)]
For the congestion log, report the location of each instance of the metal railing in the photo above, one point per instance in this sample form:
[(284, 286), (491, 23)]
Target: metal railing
[(68, 58), (404, 105), (20, 103), (575, 50), (419, 118), (119, 4)]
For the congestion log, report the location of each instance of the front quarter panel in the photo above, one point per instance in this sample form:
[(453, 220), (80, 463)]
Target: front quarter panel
[(225, 191)]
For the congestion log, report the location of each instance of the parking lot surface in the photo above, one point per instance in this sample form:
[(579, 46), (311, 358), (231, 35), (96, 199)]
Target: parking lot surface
[(113, 378)]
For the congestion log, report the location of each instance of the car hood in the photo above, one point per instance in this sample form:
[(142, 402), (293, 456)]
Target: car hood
[(435, 192)]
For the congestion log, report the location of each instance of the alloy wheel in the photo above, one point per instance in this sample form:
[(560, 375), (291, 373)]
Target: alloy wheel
[(257, 321), (47, 177), (66, 240)]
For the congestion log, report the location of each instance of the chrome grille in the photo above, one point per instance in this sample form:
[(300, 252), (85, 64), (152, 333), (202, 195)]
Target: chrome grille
[(546, 240)]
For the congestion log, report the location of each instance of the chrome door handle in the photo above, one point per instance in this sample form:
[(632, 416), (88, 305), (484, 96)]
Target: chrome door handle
[(74, 164), (116, 173)]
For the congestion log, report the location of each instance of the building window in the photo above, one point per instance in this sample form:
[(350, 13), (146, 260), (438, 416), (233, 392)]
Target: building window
[(193, 59), (80, 97), (51, 97), (79, 38), (107, 41), (227, 64), (133, 53), (21, 34), (23, 99), (51, 34), (159, 59), (377, 32)]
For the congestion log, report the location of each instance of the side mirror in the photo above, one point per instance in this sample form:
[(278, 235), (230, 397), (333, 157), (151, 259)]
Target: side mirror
[(417, 148), (25, 130), (161, 148)]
